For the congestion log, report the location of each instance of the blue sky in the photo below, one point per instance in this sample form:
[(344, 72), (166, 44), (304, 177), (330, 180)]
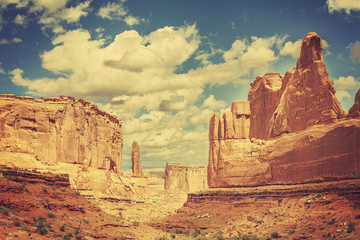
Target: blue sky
[(164, 67)]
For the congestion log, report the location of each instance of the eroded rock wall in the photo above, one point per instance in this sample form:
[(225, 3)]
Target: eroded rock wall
[(298, 131), (184, 178), (306, 96), (61, 129)]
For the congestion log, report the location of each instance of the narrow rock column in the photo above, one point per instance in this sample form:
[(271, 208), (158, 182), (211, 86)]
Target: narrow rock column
[(136, 165)]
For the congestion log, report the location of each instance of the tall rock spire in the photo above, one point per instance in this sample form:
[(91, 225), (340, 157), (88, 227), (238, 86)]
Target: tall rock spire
[(306, 96), (136, 164)]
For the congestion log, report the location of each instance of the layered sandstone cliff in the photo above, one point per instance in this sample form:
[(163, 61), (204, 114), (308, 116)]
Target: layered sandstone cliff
[(184, 178), (61, 129), (297, 133)]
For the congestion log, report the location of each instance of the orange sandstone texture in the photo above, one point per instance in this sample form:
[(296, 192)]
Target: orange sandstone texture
[(303, 97), (61, 129), (354, 111), (297, 132), (136, 164)]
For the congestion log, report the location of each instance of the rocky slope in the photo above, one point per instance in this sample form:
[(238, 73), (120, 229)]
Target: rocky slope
[(328, 210), (36, 205), (298, 132)]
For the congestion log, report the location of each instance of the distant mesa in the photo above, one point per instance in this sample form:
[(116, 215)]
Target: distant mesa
[(291, 130), (182, 179), (136, 164)]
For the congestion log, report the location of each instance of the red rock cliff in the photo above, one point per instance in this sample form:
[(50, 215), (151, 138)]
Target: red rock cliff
[(298, 132), (306, 96), (60, 129)]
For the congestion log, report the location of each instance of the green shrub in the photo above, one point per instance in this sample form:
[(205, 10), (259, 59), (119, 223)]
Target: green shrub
[(45, 190), (17, 224), (196, 233), (77, 230), (292, 231), (357, 216), (275, 235), (4, 210), (42, 225), (42, 230), (51, 215), (351, 227), (244, 237), (135, 223), (67, 236), (332, 221), (62, 228), (179, 231), (218, 236), (25, 229)]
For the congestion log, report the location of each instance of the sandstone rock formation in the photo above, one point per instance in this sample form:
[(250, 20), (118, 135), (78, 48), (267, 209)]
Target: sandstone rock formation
[(136, 164), (303, 97), (354, 111), (232, 127), (297, 134), (60, 129), (184, 178), (264, 97)]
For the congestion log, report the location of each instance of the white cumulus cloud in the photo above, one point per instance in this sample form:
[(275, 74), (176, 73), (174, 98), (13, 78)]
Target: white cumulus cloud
[(343, 5), (292, 48), (343, 84), (50, 14), (117, 11)]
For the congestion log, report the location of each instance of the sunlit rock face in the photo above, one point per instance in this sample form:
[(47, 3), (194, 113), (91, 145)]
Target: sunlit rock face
[(181, 179), (297, 130), (61, 129), (264, 97), (303, 97), (136, 164)]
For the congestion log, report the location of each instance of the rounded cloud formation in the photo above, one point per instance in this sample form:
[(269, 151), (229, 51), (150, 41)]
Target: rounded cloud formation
[(138, 79), (343, 84), (49, 14), (343, 5)]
